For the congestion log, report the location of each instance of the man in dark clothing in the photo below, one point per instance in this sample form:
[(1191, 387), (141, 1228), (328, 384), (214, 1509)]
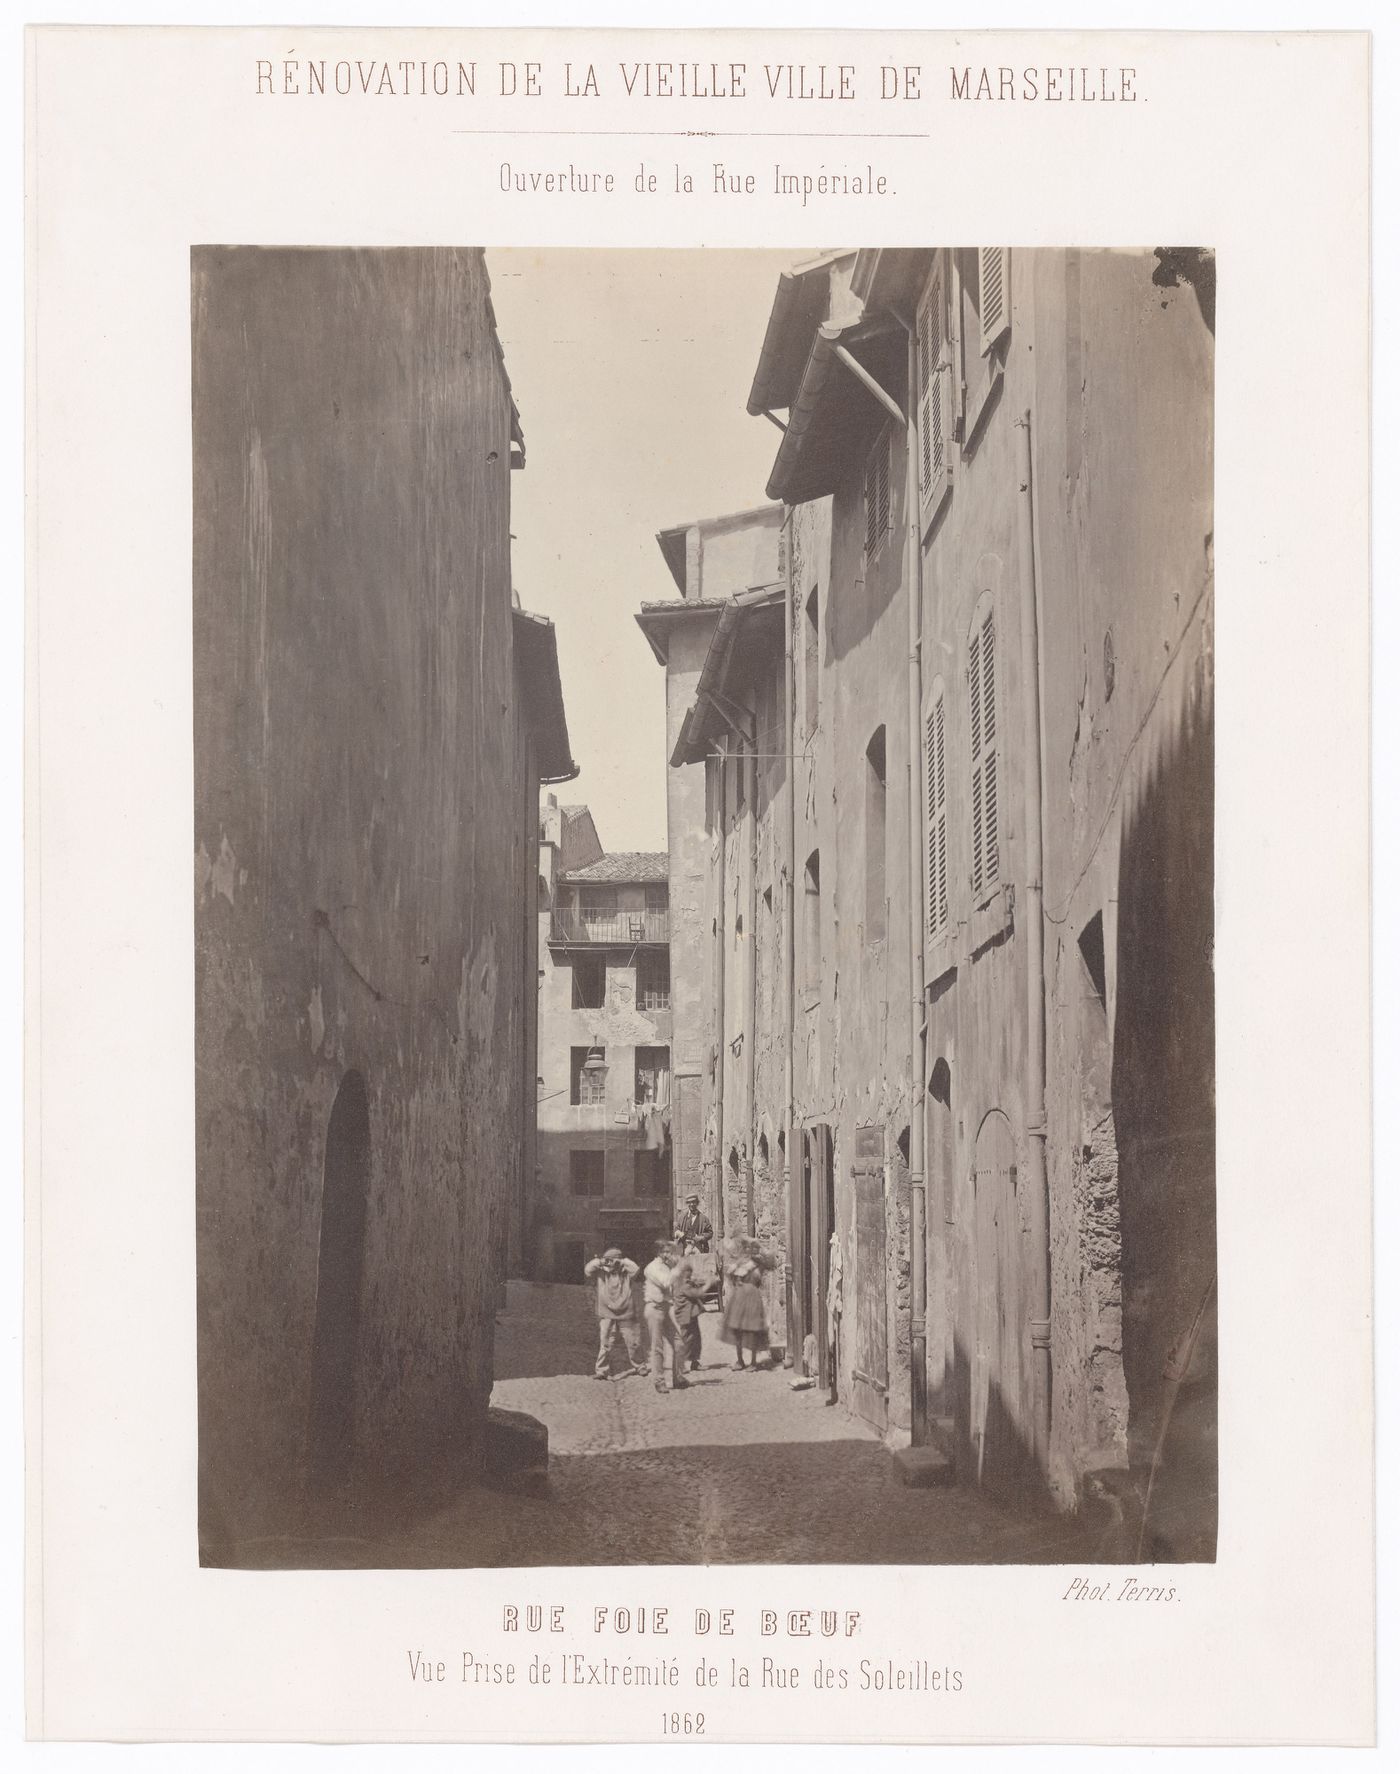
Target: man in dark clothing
[(694, 1229), (687, 1296)]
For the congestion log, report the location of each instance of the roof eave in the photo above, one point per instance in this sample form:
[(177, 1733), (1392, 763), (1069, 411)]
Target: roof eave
[(672, 545), (693, 743), (655, 619), (783, 481), (538, 650), (801, 302)]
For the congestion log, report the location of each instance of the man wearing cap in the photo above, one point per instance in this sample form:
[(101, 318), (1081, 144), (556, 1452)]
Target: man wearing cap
[(613, 1275), (694, 1229)]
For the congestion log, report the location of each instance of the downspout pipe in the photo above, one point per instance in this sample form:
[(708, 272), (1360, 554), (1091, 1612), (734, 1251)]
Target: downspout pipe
[(720, 941), (918, 1194), (861, 374), (751, 981), (1036, 1127), (789, 931)]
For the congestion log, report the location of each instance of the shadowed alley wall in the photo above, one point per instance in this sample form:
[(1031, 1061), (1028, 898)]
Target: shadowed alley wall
[(360, 775)]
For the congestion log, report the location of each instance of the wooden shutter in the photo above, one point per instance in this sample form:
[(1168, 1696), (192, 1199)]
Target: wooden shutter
[(994, 292), (982, 713), (934, 406), (936, 808), (990, 835)]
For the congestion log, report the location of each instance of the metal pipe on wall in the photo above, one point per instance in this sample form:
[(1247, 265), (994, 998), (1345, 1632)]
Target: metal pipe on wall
[(751, 952), (863, 375), (1036, 1129), (918, 1194), (789, 912), (721, 820)]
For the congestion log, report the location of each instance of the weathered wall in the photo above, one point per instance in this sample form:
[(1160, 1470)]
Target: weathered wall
[(1116, 375), (976, 973), (751, 924), (607, 1127), (814, 1087), (724, 556), (690, 942), (518, 1251), (358, 849), (735, 553), (867, 983)]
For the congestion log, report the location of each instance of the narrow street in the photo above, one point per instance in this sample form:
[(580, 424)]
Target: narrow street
[(737, 1469)]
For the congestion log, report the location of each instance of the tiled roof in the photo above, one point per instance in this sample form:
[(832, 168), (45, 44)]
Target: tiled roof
[(625, 865)]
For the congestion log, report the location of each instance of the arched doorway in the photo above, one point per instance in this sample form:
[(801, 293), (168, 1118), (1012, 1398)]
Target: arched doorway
[(1000, 1421), (339, 1272)]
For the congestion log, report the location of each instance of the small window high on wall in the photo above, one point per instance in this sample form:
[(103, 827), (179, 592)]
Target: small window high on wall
[(811, 663), (586, 1086), (590, 982), (654, 979), (875, 917), (653, 1072), (877, 494), (586, 1173), (812, 923)]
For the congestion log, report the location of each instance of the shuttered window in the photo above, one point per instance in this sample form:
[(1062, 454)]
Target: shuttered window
[(982, 722), (936, 813), (993, 293), (934, 406), (877, 494)]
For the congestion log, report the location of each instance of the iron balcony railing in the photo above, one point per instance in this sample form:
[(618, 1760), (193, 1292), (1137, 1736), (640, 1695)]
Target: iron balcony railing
[(616, 929)]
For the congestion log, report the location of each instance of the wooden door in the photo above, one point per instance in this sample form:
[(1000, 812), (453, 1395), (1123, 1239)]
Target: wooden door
[(800, 1246), (823, 1219), (999, 1424), (867, 1307)]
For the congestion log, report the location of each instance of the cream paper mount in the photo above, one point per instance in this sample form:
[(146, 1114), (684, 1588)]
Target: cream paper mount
[(867, 858)]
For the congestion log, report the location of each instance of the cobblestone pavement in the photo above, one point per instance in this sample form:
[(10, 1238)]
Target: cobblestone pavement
[(738, 1468)]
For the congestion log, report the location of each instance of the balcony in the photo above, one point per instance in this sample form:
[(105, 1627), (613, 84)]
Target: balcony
[(617, 930)]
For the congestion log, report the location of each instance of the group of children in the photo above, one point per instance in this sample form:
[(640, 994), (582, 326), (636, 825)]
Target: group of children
[(673, 1295)]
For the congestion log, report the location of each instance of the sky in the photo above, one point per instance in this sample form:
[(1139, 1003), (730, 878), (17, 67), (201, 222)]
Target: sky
[(630, 370)]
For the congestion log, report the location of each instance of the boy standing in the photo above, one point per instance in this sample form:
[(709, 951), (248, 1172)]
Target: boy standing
[(613, 1275), (661, 1325)]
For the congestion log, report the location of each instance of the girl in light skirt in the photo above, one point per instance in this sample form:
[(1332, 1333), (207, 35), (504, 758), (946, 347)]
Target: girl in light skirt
[(745, 1320)]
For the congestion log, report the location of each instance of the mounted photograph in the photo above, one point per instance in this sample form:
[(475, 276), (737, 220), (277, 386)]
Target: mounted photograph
[(704, 801)]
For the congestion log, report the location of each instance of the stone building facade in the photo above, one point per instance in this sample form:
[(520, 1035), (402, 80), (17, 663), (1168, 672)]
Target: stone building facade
[(709, 561), (373, 716), (975, 775), (604, 1079)]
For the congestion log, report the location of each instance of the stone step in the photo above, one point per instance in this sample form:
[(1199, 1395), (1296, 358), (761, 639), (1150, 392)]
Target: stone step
[(923, 1467), (517, 1450)]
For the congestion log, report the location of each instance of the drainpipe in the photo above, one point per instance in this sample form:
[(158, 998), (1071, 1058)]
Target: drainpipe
[(751, 951), (918, 1196), (789, 913), (863, 375), (721, 801), (1036, 1129)]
